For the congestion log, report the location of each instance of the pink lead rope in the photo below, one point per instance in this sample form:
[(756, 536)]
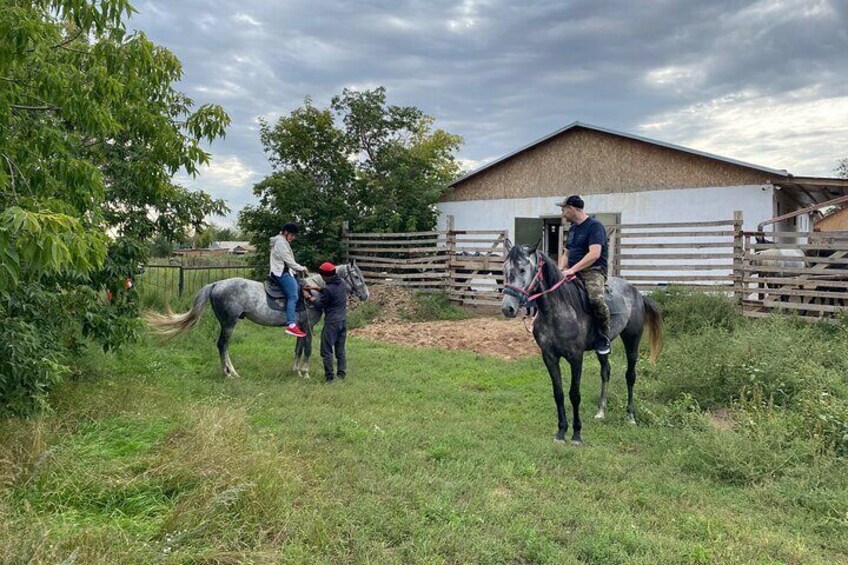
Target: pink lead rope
[(536, 278)]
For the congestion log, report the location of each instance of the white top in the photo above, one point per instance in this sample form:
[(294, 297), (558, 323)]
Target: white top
[(282, 257)]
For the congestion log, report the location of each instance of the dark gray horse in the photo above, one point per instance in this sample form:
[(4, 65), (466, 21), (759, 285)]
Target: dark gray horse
[(563, 326), (237, 298)]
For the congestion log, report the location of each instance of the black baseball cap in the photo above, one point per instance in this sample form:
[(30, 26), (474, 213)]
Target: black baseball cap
[(572, 200)]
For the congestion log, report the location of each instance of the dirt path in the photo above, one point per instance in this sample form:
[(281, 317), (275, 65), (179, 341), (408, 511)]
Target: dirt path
[(505, 339)]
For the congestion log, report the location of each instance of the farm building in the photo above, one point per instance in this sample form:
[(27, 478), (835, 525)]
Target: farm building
[(836, 220), (627, 179), (234, 247)]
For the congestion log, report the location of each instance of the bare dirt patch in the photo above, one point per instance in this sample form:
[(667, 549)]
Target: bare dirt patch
[(721, 420), (505, 339)]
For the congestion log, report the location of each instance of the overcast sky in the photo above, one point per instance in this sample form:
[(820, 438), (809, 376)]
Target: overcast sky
[(764, 82)]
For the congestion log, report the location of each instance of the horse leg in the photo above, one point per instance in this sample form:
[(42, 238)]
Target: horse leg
[(227, 328), (552, 363), (298, 353), (307, 353), (605, 377), (631, 347), (312, 317), (574, 396)]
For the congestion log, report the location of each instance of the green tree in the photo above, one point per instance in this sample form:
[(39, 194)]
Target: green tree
[(380, 167), (91, 133), (842, 168)]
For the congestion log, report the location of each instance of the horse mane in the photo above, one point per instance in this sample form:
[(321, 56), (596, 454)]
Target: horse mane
[(568, 291), (551, 275)]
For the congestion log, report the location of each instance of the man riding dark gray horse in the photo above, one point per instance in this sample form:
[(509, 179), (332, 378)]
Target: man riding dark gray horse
[(587, 251), (564, 326)]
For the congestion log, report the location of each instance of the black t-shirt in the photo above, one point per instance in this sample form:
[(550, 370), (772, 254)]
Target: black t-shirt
[(581, 236)]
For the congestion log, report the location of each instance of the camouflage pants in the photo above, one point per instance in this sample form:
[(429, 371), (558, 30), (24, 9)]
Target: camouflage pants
[(595, 282)]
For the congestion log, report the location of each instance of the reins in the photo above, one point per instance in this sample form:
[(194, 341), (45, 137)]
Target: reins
[(524, 294)]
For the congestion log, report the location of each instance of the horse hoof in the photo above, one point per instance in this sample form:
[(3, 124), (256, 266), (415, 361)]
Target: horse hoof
[(576, 442), (631, 420), (600, 415)]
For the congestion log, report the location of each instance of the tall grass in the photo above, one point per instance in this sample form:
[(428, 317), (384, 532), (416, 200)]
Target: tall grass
[(423, 457)]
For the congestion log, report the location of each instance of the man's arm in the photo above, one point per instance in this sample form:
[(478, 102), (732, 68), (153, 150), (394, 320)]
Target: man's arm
[(593, 255)]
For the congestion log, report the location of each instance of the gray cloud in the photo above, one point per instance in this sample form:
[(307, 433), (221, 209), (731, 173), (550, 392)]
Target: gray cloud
[(761, 81)]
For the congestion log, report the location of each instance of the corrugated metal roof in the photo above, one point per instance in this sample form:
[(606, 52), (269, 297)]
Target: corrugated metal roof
[(578, 124)]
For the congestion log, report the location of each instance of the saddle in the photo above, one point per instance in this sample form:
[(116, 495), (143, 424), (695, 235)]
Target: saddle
[(614, 300), (277, 296)]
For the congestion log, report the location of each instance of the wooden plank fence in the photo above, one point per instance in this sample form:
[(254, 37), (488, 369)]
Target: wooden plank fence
[(465, 264), (704, 256), (811, 284), (709, 256)]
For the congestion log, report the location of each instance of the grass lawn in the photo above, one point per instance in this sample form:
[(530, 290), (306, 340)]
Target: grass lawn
[(420, 456)]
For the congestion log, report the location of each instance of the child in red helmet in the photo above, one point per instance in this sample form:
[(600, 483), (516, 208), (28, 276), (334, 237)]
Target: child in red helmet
[(333, 301)]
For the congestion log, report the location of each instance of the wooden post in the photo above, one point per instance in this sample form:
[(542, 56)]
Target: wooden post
[(346, 240), (450, 236), (181, 283), (738, 258)]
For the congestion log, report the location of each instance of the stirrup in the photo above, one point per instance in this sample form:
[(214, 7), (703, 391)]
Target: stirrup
[(603, 345)]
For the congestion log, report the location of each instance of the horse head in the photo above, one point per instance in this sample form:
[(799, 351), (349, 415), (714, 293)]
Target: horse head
[(353, 279), (520, 268)]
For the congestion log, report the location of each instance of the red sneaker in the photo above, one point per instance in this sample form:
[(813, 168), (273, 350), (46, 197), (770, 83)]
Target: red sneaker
[(295, 331)]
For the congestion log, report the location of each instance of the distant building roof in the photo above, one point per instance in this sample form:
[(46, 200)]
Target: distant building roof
[(228, 244)]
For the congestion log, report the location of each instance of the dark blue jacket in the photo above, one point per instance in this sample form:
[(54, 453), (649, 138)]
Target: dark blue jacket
[(333, 301)]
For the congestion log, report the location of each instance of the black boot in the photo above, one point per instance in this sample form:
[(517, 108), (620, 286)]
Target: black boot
[(602, 340)]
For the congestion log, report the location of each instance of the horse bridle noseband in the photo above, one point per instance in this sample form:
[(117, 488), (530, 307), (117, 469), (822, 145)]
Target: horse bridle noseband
[(524, 295), (349, 278)]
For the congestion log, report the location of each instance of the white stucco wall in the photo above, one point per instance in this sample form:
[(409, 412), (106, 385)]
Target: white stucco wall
[(680, 205)]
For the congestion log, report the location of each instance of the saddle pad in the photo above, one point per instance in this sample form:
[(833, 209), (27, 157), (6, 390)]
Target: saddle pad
[(617, 307), (273, 289), (277, 298)]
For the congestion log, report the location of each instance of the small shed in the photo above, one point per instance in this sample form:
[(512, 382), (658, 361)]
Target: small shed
[(836, 220)]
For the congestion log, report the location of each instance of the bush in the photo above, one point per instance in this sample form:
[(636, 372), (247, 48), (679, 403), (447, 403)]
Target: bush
[(363, 314), (690, 311), (429, 306), (777, 372)]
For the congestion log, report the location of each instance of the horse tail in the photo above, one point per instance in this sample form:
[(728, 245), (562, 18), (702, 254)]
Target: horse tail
[(169, 324), (653, 311)]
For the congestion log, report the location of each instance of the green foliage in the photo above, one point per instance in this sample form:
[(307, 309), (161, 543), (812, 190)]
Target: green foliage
[(363, 314), (690, 312), (91, 133), (420, 456), (380, 167), (780, 374), (428, 306), (842, 168)]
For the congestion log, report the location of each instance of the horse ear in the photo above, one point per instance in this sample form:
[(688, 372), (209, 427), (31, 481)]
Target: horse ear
[(507, 245), (536, 246)]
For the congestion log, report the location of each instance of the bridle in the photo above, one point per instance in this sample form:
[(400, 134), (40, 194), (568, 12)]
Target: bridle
[(348, 277), (528, 294)]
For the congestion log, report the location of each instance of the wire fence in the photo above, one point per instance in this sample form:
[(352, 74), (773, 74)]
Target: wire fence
[(167, 284)]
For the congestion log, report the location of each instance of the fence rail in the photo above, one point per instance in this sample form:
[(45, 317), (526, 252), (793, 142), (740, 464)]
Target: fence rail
[(798, 272), (465, 264), (652, 255), (706, 256)]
